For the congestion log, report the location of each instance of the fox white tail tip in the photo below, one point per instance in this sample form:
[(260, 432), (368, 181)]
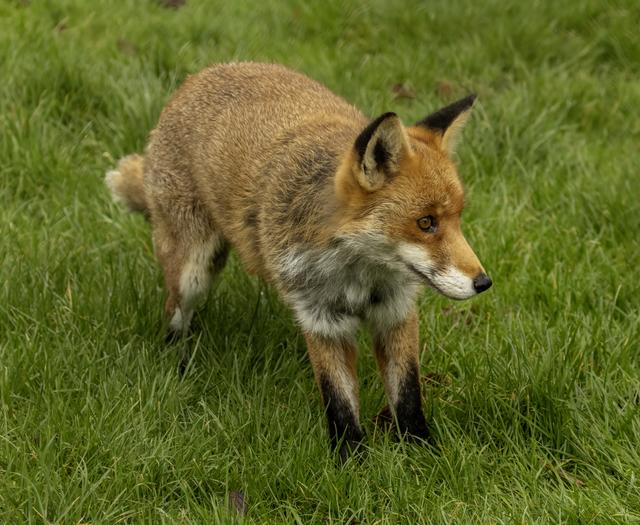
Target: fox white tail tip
[(111, 179), (126, 183)]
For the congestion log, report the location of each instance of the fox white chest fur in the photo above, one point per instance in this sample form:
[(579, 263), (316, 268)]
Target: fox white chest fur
[(358, 279)]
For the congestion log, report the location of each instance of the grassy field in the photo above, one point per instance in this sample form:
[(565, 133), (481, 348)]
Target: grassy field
[(535, 386)]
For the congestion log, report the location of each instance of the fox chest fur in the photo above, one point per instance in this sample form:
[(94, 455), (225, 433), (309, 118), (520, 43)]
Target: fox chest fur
[(333, 289)]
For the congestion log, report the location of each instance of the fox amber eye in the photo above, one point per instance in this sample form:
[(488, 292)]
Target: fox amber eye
[(427, 224)]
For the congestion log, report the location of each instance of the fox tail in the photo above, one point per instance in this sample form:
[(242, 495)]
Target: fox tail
[(126, 183)]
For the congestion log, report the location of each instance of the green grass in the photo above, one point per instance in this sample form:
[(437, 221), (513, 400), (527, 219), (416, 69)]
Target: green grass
[(536, 416)]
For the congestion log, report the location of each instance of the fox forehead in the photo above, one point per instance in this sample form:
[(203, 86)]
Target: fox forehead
[(427, 182)]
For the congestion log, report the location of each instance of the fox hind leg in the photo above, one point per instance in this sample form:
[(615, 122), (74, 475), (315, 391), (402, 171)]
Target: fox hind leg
[(189, 263)]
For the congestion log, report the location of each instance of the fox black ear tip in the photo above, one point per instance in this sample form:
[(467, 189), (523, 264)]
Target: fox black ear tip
[(472, 98)]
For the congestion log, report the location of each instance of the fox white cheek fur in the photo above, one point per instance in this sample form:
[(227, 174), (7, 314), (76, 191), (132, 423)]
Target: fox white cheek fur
[(453, 283), (449, 281), (415, 256)]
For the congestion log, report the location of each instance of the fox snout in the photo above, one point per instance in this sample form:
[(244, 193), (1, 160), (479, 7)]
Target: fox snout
[(470, 277), (459, 278), (482, 282), (456, 284)]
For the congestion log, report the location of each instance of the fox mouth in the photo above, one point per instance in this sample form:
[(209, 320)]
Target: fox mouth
[(443, 282), (443, 276), (423, 276), (427, 279)]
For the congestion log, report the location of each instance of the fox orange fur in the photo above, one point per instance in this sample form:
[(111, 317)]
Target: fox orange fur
[(348, 218)]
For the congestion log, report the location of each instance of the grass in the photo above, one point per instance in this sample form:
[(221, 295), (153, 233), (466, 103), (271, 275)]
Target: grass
[(535, 411)]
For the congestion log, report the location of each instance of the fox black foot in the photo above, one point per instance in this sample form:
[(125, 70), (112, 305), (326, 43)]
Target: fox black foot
[(172, 336), (345, 433), (411, 421), (349, 447)]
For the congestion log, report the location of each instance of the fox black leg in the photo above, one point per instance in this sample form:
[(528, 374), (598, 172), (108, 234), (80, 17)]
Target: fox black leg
[(397, 355), (334, 366), (344, 429), (408, 407)]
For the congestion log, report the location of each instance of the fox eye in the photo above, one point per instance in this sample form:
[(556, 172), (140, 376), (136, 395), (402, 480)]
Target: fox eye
[(428, 224)]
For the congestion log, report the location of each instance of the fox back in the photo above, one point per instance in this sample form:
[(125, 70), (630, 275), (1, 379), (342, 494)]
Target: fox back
[(234, 135)]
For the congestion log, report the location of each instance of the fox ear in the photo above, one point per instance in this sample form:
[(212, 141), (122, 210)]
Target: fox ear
[(378, 150), (449, 121)]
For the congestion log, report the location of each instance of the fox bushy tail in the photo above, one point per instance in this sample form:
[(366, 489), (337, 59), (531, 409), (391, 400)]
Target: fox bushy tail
[(126, 183)]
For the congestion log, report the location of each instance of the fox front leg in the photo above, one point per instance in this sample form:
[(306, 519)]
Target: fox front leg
[(334, 367), (396, 350)]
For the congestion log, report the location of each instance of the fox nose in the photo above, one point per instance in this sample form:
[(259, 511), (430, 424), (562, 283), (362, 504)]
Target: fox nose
[(482, 282)]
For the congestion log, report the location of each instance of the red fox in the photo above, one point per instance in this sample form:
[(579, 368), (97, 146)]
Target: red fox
[(348, 218)]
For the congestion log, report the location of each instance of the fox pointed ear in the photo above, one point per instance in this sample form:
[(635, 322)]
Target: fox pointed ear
[(449, 121), (378, 150)]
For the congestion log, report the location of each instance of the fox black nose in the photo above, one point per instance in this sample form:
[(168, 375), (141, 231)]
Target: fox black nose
[(482, 282)]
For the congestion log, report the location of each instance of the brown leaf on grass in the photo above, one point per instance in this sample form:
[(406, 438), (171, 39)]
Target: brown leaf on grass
[(448, 311), (402, 91), (435, 379), (445, 89), (458, 315), (126, 47), (172, 4), (238, 502)]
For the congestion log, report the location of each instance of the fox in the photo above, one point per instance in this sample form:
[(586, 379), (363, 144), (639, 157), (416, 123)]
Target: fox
[(348, 218)]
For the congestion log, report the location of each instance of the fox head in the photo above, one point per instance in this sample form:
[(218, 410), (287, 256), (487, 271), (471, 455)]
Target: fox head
[(401, 182)]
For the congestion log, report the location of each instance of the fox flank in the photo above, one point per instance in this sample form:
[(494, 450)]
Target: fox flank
[(348, 218)]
